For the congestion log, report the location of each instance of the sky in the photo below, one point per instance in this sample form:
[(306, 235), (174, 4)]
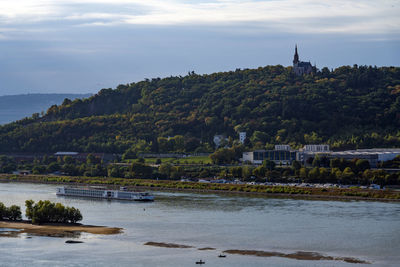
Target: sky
[(82, 46)]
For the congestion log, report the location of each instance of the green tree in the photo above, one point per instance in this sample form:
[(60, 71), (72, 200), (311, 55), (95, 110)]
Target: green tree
[(259, 172), (48, 212), (53, 167), (90, 159), (317, 161), (14, 213), (3, 211), (313, 174), (236, 172), (347, 176), (296, 165), (68, 160), (303, 173), (268, 164), (362, 165)]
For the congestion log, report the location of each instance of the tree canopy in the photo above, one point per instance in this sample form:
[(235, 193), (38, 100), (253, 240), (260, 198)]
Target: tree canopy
[(349, 107)]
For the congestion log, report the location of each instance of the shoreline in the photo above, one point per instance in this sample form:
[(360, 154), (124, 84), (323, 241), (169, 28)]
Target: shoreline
[(311, 193), (55, 229)]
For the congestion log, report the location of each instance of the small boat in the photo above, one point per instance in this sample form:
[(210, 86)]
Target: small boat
[(200, 262), (221, 256)]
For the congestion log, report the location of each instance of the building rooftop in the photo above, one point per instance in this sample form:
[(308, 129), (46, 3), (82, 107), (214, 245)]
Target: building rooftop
[(368, 151), (61, 153)]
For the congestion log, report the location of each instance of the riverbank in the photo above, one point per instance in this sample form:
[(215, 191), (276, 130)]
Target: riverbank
[(256, 190), (55, 230)]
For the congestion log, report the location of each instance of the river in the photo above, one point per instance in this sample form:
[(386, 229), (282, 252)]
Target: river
[(365, 230)]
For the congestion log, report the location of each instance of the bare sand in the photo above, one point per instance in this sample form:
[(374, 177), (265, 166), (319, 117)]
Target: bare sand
[(299, 255), (57, 230), (206, 248), (166, 245)]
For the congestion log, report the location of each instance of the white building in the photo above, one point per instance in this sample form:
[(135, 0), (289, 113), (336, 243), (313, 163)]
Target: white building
[(242, 137), (316, 148), (373, 155), (248, 157), (282, 147), (218, 140)]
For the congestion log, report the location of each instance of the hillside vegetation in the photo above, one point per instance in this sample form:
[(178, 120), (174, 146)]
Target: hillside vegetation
[(349, 107)]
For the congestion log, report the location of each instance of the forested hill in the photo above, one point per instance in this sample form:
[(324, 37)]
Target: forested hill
[(348, 107)]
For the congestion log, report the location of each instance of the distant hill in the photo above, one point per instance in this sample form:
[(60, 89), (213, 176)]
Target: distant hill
[(16, 107), (349, 107)]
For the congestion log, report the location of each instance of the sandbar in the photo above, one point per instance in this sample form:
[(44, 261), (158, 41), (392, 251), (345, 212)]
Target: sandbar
[(206, 248), (299, 255), (166, 245), (59, 230)]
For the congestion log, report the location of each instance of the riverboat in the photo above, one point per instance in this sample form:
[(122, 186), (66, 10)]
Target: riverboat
[(97, 192)]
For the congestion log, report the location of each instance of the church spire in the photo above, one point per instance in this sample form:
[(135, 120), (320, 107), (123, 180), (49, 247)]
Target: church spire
[(296, 56)]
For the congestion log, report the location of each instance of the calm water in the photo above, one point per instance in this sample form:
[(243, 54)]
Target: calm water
[(365, 230)]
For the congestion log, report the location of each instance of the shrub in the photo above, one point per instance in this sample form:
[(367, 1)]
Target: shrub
[(12, 213), (46, 211)]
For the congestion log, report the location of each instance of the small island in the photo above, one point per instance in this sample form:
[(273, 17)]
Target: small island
[(48, 219)]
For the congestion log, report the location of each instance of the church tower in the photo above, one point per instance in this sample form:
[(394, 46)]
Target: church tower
[(296, 56), (300, 67)]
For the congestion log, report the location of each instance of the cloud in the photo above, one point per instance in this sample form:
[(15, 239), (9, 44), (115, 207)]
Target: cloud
[(291, 16)]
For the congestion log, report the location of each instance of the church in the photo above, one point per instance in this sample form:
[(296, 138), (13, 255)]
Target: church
[(301, 67)]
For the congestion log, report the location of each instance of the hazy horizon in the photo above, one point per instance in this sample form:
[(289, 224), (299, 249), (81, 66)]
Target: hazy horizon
[(84, 46)]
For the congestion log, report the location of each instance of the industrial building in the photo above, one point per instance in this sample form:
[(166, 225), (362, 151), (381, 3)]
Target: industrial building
[(281, 155), (374, 155), (285, 155)]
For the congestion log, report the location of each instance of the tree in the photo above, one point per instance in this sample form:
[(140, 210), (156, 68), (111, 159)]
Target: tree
[(90, 159), (49, 212), (236, 172), (303, 173), (362, 165), (323, 175), (296, 165), (68, 160), (316, 162), (176, 172), (336, 174), (165, 169), (259, 172), (114, 172), (14, 213), (38, 169), (313, 174), (247, 171), (269, 164), (53, 167), (3, 211), (223, 156), (140, 170), (347, 176)]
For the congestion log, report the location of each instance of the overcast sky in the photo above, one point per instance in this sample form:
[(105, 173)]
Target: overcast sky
[(80, 46)]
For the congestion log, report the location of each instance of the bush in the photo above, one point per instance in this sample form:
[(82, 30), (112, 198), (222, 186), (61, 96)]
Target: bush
[(12, 213), (47, 212)]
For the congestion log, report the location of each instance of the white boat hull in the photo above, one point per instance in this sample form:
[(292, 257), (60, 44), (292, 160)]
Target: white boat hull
[(104, 194)]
